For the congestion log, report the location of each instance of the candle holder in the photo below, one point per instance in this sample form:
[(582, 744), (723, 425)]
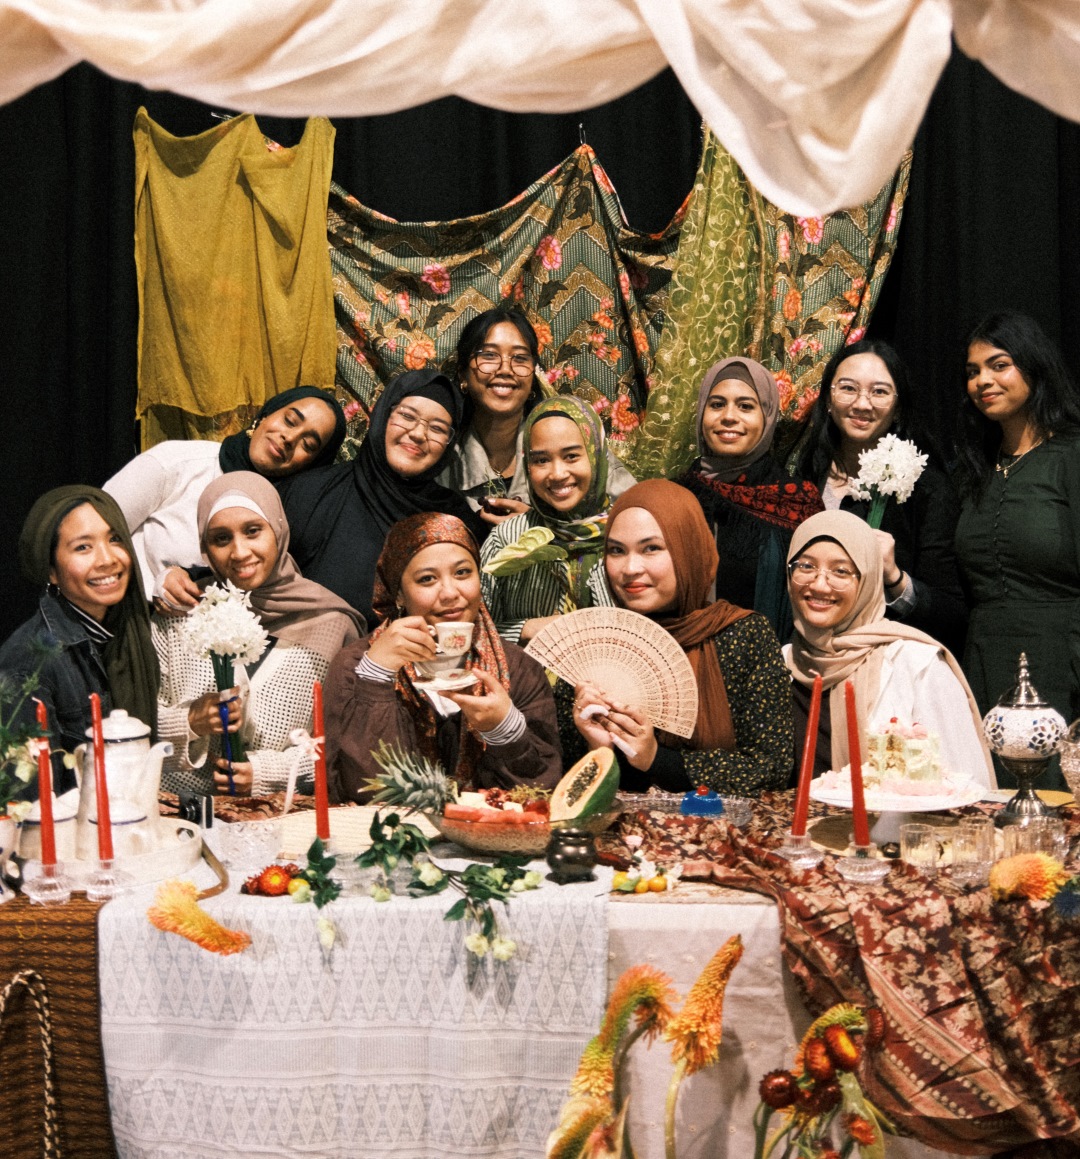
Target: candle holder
[(49, 886), (1025, 732), (107, 882), (862, 867), (800, 852)]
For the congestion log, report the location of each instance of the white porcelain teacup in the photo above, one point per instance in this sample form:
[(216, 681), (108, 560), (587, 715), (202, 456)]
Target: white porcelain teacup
[(453, 639)]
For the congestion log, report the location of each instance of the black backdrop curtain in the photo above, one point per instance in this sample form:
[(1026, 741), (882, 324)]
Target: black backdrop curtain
[(991, 221)]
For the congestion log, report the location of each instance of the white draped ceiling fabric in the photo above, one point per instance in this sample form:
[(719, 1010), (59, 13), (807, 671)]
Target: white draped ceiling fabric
[(816, 99)]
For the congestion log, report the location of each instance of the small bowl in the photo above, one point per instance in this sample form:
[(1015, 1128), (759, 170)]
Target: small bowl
[(530, 838), (654, 802), (738, 811)]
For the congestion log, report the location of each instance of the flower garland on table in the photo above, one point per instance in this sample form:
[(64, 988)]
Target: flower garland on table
[(891, 467)]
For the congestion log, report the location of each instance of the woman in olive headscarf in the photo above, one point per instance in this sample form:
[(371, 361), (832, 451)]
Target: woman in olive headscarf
[(76, 546), (752, 504), (567, 465)]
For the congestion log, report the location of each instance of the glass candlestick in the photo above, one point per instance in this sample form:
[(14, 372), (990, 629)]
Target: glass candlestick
[(49, 886), (800, 852), (107, 882), (862, 866)]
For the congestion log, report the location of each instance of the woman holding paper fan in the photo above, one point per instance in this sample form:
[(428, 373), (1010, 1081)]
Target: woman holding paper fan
[(841, 632), (245, 539), (549, 559), (865, 395), (750, 501), (660, 561), (496, 729)]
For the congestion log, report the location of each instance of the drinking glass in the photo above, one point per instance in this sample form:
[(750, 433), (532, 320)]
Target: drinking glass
[(973, 851), (919, 847)]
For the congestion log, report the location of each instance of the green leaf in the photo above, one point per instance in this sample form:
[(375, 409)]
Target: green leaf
[(532, 547), (456, 912)]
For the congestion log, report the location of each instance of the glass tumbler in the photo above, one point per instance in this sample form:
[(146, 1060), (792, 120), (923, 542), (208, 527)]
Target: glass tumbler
[(919, 847)]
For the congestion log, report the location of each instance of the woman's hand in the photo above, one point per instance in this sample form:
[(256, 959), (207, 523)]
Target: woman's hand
[(593, 728), (242, 774), (537, 624), (891, 574), (204, 717), (406, 641), (504, 509), (181, 593), (487, 710), (634, 729)]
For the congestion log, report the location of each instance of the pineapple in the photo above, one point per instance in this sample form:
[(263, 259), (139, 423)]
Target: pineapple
[(410, 780)]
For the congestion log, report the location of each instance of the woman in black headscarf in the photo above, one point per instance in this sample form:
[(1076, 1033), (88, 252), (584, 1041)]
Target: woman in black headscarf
[(340, 515), (91, 632), (158, 491)]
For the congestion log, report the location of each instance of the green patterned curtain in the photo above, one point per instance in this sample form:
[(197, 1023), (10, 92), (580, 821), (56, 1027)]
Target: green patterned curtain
[(595, 290), (750, 279)]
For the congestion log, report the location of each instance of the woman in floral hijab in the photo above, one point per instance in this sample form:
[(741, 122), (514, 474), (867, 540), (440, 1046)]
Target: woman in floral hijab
[(549, 559)]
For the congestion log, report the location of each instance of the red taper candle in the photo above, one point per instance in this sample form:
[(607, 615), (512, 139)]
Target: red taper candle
[(806, 772), (322, 799), (858, 800), (48, 832), (101, 786)]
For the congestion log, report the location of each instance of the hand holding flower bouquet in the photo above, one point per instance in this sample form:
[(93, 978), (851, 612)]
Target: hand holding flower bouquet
[(892, 467), (224, 629)]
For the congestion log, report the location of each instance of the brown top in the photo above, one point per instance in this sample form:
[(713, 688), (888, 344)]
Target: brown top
[(360, 713)]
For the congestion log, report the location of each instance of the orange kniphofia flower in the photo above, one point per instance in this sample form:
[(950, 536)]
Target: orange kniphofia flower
[(578, 1119), (696, 1030), (176, 911), (1035, 875)]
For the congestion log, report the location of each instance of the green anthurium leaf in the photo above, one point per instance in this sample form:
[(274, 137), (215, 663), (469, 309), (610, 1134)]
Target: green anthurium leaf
[(532, 547)]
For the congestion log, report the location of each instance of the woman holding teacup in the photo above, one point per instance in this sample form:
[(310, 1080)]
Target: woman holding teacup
[(481, 708)]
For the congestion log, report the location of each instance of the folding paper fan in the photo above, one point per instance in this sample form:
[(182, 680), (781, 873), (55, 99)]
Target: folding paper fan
[(628, 657)]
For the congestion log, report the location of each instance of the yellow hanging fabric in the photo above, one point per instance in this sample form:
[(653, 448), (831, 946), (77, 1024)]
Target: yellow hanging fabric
[(235, 296)]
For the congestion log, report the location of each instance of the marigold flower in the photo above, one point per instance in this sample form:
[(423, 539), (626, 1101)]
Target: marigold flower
[(273, 881), (1033, 875), (176, 910), (696, 1030), (778, 1089)]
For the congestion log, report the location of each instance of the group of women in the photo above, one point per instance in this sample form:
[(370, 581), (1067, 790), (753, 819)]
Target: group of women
[(349, 566)]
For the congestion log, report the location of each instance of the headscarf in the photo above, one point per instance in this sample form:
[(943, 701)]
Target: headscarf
[(855, 648), (581, 530), (693, 621), (290, 607), (129, 657), (406, 540), (761, 382), (235, 450)]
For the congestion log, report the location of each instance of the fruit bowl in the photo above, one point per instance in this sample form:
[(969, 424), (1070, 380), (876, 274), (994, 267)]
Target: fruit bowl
[(528, 838)]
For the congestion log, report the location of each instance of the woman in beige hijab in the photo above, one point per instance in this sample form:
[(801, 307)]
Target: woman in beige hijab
[(838, 603)]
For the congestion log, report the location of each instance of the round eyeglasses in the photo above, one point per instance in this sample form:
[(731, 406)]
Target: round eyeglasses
[(838, 578), (435, 430), (879, 397), (488, 361)]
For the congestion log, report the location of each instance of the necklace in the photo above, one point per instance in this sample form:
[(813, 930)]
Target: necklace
[(1014, 460)]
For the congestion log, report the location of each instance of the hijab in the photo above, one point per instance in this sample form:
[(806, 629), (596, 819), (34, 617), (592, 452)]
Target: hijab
[(580, 530), (855, 648), (693, 621), (729, 467), (234, 454), (289, 606), (130, 660), (406, 540)]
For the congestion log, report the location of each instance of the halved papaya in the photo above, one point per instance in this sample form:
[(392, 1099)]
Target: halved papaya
[(587, 788)]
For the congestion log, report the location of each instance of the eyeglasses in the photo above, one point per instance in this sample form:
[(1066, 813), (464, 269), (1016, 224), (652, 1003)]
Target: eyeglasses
[(488, 361), (434, 430), (879, 397), (838, 578)]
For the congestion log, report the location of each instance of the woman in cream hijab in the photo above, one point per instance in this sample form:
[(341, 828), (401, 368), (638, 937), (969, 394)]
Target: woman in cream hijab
[(838, 602)]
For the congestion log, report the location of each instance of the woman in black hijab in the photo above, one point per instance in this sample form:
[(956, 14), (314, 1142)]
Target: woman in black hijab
[(339, 515)]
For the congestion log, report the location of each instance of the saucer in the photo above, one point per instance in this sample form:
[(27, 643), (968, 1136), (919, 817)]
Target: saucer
[(450, 682)]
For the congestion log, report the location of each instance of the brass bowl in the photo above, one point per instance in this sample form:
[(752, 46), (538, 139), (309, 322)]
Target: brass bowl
[(492, 837)]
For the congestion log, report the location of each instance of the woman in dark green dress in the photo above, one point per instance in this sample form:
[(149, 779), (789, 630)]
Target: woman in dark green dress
[(1018, 537)]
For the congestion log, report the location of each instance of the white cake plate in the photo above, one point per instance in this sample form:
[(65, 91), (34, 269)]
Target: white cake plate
[(896, 809)]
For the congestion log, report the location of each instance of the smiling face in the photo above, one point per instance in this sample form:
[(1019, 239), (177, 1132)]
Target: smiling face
[(499, 377), (442, 582), (732, 422), (287, 440), (639, 566), (862, 399), (90, 566), (994, 382), (241, 547), (559, 468), (413, 444), (828, 598)]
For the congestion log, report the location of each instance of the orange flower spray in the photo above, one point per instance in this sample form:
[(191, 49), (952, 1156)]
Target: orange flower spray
[(176, 911)]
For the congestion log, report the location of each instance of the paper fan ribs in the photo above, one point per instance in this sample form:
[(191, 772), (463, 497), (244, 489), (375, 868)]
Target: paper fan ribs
[(628, 657)]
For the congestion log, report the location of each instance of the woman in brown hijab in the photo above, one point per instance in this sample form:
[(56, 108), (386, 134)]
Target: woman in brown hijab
[(661, 561)]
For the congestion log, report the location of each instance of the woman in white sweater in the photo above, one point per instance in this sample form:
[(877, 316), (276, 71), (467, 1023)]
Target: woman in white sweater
[(245, 539), (838, 603)]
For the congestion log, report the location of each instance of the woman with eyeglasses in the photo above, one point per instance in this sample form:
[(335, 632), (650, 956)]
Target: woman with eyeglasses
[(340, 515), (752, 504), (498, 367), (865, 394), (835, 570), (1018, 536), (567, 470)]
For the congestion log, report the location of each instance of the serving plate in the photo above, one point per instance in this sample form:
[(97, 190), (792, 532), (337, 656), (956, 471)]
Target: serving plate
[(528, 838)]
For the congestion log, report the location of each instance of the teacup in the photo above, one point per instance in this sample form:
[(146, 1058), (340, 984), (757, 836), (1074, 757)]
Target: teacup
[(453, 639)]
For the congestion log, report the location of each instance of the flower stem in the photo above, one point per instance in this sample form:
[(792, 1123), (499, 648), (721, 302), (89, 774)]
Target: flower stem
[(620, 1057), (669, 1113), (877, 509)]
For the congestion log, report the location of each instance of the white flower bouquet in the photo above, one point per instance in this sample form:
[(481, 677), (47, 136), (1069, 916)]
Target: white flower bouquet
[(891, 468), (223, 629)]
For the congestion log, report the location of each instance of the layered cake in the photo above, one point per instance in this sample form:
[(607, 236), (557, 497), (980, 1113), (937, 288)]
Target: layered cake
[(896, 751)]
